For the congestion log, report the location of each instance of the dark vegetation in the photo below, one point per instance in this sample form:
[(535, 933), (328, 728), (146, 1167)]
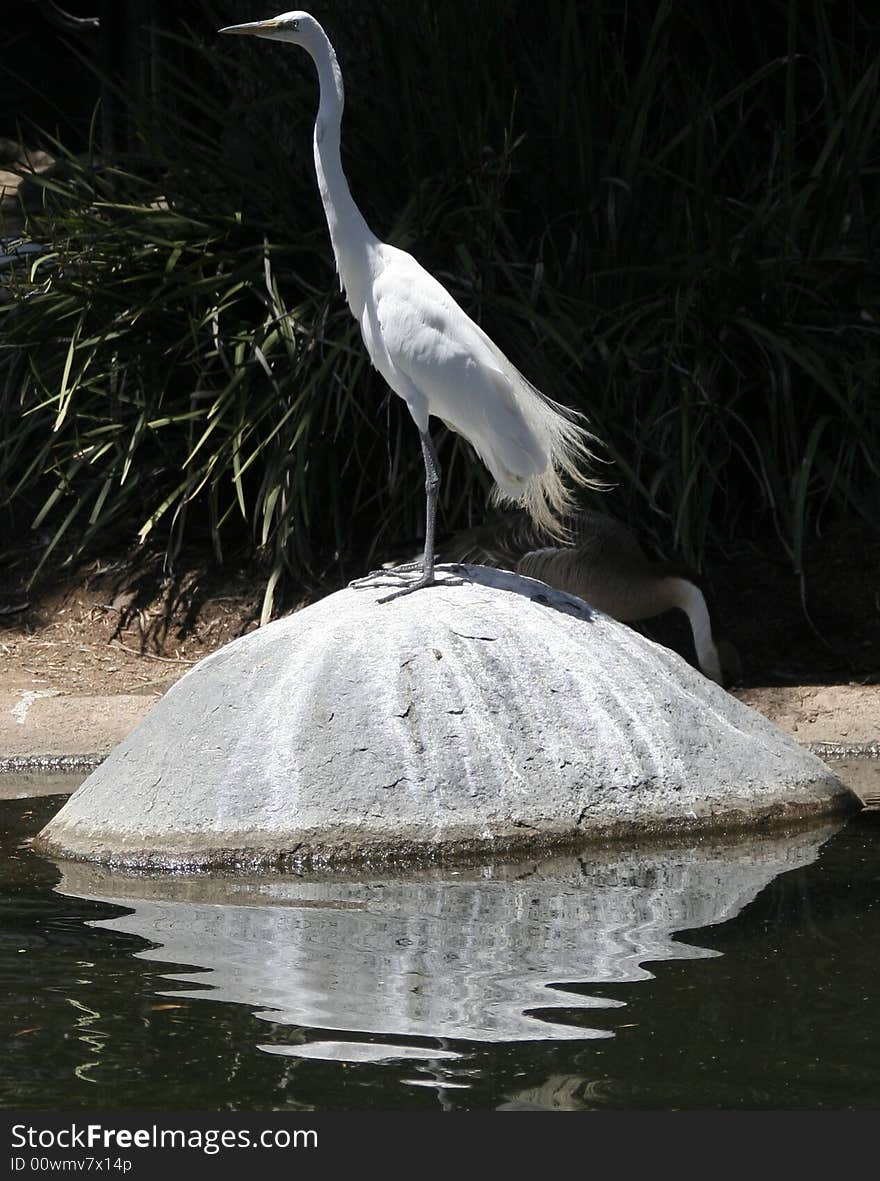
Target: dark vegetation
[(665, 211)]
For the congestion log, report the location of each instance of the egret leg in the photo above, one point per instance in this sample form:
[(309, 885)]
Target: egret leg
[(424, 569), (432, 488)]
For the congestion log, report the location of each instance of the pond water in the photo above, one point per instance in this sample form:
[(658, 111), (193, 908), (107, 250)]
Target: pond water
[(704, 975)]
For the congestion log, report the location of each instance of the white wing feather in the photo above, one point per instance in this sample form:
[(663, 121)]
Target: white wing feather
[(442, 363)]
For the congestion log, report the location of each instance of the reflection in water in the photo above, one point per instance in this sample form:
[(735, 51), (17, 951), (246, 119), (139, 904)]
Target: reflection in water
[(27, 785), (468, 955), (358, 1052), (558, 1093)]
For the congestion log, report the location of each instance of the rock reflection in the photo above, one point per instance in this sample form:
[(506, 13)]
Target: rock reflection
[(441, 956)]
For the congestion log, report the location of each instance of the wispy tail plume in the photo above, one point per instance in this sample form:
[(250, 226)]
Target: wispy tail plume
[(548, 496)]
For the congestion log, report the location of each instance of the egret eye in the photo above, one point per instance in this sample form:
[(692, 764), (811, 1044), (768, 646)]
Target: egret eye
[(294, 25)]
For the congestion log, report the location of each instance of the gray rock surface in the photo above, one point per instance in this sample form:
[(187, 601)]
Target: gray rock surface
[(493, 715)]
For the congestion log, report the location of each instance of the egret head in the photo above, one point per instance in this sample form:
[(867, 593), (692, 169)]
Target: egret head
[(297, 27)]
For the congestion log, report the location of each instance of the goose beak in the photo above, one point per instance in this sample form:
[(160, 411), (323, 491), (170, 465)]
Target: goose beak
[(253, 29)]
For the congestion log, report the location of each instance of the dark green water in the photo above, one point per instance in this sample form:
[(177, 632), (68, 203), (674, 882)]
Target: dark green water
[(704, 976)]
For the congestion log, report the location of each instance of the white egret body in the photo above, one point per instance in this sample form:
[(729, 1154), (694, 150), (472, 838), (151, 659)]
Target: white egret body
[(430, 352)]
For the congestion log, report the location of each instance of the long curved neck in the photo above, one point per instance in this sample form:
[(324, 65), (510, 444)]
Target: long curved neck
[(690, 599), (350, 235)]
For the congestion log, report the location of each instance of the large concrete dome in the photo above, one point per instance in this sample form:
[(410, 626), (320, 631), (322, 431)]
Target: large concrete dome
[(492, 715)]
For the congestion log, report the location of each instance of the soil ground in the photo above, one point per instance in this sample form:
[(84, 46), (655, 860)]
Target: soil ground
[(118, 625)]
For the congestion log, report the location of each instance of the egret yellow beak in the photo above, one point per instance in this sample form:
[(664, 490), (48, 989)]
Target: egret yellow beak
[(253, 29)]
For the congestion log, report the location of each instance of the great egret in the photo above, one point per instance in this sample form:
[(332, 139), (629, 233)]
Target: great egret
[(606, 566), (430, 352)]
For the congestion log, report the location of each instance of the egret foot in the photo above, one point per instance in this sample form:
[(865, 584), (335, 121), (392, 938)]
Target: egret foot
[(418, 584), (375, 577), (398, 577), (424, 580)]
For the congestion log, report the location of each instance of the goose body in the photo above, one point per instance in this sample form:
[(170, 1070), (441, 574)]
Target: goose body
[(607, 567)]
